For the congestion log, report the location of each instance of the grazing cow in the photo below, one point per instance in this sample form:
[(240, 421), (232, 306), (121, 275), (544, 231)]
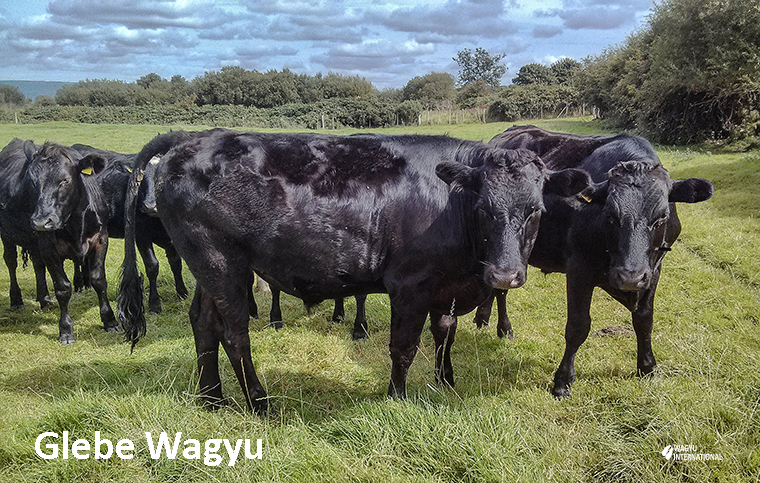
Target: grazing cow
[(114, 180), (613, 236), (339, 313), (435, 222), (52, 206)]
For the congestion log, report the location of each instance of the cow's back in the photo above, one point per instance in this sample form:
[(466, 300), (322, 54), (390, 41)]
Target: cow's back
[(360, 198), (13, 161), (557, 150)]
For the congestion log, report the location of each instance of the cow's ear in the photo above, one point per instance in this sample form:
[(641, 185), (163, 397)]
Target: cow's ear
[(596, 193), (567, 182), (691, 190), (457, 176), (91, 164), (29, 149)]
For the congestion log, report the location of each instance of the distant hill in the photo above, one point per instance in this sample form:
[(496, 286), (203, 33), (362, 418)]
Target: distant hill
[(32, 89)]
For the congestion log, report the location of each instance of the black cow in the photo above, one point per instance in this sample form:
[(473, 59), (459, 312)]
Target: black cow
[(613, 236), (338, 315), (114, 180), (52, 206), (435, 222)]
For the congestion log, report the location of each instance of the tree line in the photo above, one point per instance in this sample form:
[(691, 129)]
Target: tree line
[(691, 74)]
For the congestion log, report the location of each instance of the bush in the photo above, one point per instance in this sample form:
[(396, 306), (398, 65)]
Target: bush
[(692, 75), (336, 113), (11, 97), (534, 100)]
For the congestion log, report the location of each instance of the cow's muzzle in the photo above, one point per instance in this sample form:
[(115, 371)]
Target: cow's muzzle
[(504, 279), (45, 223), (630, 280), (149, 209)]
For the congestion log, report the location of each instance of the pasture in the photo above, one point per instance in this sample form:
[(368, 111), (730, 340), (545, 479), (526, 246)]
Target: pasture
[(333, 421)]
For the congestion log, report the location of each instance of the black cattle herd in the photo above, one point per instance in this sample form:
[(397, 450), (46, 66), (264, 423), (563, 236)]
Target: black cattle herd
[(441, 225)]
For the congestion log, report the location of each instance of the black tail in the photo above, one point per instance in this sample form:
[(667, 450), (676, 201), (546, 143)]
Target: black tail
[(130, 300)]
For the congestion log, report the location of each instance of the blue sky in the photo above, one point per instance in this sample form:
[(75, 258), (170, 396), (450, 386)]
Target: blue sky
[(388, 42)]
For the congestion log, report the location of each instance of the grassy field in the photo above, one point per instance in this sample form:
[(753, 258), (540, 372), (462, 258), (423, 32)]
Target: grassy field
[(333, 421)]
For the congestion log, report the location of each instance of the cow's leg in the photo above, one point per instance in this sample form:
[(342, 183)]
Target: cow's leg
[(643, 318), (253, 309), (641, 305), (61, 284), (443, 327), (207, 328), (40, 275), (579, 294), (275, 314), (175, 264), (360, 323), (503, 326), (406, 328), (96, 259), (223, 273), (483, 312), (79, 283), (145, 246), (10, 255), (339, 312), (228, 297)]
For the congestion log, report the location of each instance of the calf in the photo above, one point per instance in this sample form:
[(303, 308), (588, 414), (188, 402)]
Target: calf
[(435, 222), (51, 206), (114, 179), (613, 236)]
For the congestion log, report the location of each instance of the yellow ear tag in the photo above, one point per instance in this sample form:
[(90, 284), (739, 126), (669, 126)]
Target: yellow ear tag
[(586, 198), (87, 171), (129, 170)]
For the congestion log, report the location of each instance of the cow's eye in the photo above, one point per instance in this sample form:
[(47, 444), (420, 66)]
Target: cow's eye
[(659, 221), (484, 208), (64, 182)]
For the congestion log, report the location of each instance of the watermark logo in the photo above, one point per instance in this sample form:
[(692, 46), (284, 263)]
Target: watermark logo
[(688, 452)]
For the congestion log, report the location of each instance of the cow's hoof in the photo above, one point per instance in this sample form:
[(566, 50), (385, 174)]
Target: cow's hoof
[(359, 335), (646, 371), (561, 392), (20, 306), (66, 339), (277, 324), (47, 304), (446, 381), (261, 406), (113, 328), (215, 404)]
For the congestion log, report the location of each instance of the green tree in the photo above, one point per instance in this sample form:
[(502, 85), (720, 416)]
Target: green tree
[(535, 74), (480, 65), (44, 101), (565, 69), (477, 93), (434, 90), (10, 96), (149, 79)]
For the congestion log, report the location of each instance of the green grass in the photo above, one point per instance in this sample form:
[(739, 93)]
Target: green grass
[(333, 421)]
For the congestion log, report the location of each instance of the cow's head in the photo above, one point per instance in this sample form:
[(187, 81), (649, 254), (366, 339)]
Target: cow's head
[(509, 187), (639, 218), (57, 177), (147, 193)]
